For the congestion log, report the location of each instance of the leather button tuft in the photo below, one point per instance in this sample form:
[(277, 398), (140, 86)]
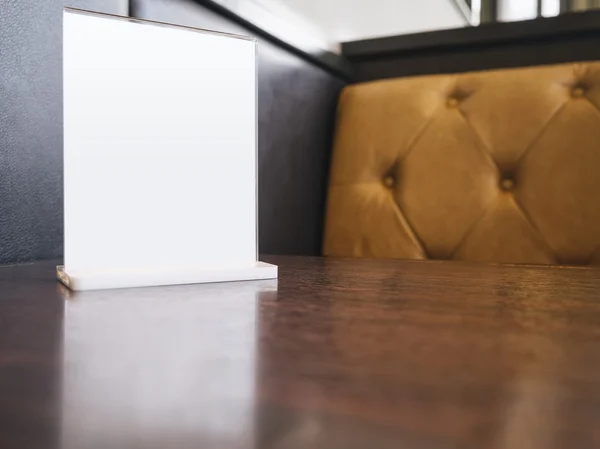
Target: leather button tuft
[(389, 181), (452, 102), (507, 184), (577, 92)]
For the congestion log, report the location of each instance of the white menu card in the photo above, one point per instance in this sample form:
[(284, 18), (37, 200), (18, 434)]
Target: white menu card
[(160, 154)]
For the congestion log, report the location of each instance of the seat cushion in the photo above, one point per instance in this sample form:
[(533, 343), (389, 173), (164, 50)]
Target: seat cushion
[(494, 166)]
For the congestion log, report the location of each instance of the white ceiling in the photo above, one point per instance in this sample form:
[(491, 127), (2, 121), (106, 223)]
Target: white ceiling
[(323, 24), (346, 20)]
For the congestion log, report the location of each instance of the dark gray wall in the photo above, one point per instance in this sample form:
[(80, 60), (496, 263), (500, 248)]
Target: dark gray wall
[(296, 102), (119, 7), (30, 130)]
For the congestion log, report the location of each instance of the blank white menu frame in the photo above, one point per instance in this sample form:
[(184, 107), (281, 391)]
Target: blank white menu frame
[(159, 154)]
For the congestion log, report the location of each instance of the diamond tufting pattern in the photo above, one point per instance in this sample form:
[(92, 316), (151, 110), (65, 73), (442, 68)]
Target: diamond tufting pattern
[(495, 166)]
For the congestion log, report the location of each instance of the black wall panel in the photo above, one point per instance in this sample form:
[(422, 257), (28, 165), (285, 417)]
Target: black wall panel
[(515, 54), (566, 38), (296, 102)]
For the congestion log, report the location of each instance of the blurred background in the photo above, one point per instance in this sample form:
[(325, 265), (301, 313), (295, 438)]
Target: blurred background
[(320, 124)]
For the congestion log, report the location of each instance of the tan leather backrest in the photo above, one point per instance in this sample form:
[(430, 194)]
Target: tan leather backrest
[(500, 166)]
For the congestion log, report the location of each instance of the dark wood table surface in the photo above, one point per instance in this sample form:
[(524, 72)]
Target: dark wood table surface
[(336, 354)]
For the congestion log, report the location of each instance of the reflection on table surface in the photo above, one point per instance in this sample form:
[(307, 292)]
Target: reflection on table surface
[(335, 354), (161, 366)]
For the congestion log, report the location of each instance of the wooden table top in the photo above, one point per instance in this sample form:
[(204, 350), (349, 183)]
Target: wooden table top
[(336, 354)]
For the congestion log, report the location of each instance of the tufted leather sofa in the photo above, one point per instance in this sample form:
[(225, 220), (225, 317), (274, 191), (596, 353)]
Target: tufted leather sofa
[(495, 166)]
